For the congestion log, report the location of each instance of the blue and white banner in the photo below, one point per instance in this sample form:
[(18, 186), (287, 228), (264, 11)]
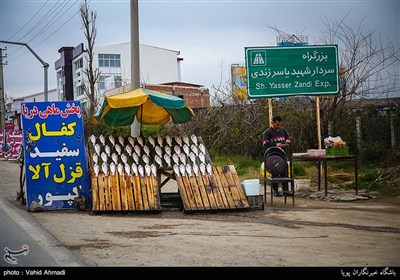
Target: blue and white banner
[(54, 153)]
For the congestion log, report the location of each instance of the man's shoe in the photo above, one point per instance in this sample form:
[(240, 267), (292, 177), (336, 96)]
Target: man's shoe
[(277, 194), (286, 193)]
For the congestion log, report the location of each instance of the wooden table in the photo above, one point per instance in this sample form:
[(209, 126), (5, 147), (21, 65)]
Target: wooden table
[(323, 160)]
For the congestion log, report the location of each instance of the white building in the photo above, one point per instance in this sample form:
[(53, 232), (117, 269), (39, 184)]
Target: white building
[(157, 65)]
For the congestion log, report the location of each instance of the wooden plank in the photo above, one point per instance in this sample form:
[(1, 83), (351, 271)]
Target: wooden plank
[(239, 186), (215, 189), (150, 192), (124, 197), (226, 173), (107, 192), (94, 184), (189, 192), (196, 192), (156, 192), (223, 188), (144, 193), (115, 196), (137, 193), (102, 205), (129, 193), (209, 191), (182, 192), (203, 193)]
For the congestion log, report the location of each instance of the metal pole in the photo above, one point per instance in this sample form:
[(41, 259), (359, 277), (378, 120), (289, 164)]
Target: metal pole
[(2, 94), (135, 62), (45, 65)]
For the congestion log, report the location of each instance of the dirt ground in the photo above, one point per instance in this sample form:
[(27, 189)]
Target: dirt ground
[(364, 231)]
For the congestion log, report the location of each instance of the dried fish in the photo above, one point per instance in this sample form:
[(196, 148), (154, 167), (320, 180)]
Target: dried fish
[(160, 141), (195, 169), (182, 169), (121, 140), (127, 169), (167, 159), (195, 149), (141, 170), (202, 148), (97, 148), (140, 140), (186, 149), (114, 157), (168, 150), (178, 140), (189, 169), (102, 139), (138, 150), (192, 157), (186, 140), (104, 157), (158, 151), (93, 139), (112, 139), (168, 139), (154, 169), (135, 169), (120, 168), (104, 168), (95, 158), (129, 150), (158, 159), (177, 149), (147, 168), (202, 157), (118, 149), (175, 158), (146, 159), (146, 149), (131, 140), (96, 169), (194, 139), (203, 169), (135, 158), (182, 157), (108, 150), (209, 168), (113, 168), (152, 141), (124, 158)]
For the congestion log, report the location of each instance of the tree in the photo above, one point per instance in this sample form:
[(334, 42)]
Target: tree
[(88, 19)]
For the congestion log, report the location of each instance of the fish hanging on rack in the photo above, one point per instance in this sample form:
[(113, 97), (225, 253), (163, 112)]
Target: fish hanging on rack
[(113, 168), (97, 148), (178, 140), (209, 168), (102, 139), (131, 141), (108, 150), (96, 169), (203, 169), (177, 149), (182, 157), (95, 158), (129, 149), (146, 159), (147, 169), (154, 169), (112, 139), (167, 159), (160, 141), (146, 149), (202, 157), (135, 158), (195, 169), (141, 170), (118, 149), (186, 149), (137, 150), (124, 158), (158, 160), (152, 141), (195, 149), (120, 168), (202, 148), (93, 139), (158, 151), (192, 157), (168, 139), (104, 157), (140, 140), (186, 140), (175, 158), (121, 140), (134, 169), (176, 170), (182, 169), (168, 150), (104, 168), (189, 169), (127, 169), (114, 158), (194, 139)]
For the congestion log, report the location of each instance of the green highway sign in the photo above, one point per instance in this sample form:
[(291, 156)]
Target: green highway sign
[(288, 71)]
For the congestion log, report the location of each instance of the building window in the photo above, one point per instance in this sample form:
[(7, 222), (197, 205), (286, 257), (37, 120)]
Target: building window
[(78, 64), (117, 82), (109, 60), (102, 81)]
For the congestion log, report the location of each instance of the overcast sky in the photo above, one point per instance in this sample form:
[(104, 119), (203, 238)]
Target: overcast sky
[(210, 35)]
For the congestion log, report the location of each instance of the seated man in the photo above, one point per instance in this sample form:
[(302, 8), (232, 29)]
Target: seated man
[(277, 136)]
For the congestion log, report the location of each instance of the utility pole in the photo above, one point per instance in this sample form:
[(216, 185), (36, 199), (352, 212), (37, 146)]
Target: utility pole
[(2, 94), (135, 62)]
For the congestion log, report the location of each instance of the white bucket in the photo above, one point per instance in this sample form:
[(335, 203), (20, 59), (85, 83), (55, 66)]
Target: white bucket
[(301, 184), (251, 186)]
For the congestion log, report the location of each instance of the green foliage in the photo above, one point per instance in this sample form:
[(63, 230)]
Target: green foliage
[(243, 165), (373, 152)]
